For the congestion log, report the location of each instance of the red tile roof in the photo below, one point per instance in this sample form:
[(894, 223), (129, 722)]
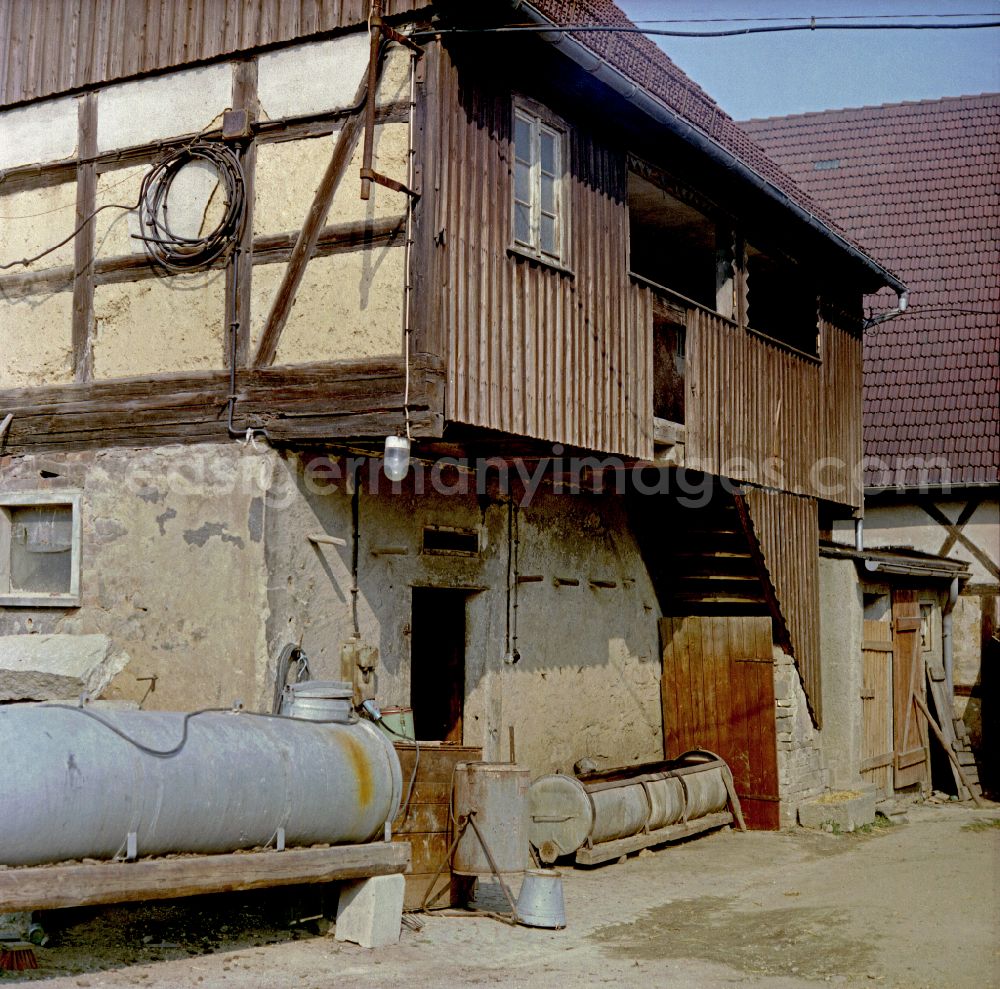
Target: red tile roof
[(646, 64), (917, 185)]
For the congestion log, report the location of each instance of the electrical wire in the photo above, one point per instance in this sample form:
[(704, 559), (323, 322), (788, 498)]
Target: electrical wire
[(722, 33), (170, 249)]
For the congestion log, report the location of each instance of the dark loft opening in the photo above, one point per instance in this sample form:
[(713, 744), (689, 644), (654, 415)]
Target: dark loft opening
[(781, 302), (670, 242), (437, 663), (668, 370)]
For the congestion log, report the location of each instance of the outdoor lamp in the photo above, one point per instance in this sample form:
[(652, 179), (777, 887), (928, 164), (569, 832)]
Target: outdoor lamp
[(396, 460)]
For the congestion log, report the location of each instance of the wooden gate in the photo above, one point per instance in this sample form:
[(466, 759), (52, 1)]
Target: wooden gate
[(717, 692), (876, 707), (909, 725)]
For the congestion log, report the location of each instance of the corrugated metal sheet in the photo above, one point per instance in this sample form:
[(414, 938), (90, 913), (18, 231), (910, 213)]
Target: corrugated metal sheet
[(52, 46), (787, 530), (562, 356), (760, 413)]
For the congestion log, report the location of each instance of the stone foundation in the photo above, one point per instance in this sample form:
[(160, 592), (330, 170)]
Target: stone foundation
[(802, 772)]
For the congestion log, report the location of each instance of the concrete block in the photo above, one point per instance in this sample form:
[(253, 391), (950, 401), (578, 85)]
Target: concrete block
[(370, 911), (56, 667), (844, 810)]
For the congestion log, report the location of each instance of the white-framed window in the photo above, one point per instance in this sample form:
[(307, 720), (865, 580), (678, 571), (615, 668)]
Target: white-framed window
[(539, 208), (39, 549)]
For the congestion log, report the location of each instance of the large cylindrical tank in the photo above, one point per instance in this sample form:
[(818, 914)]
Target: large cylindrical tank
[(75, 783), (498, 793)]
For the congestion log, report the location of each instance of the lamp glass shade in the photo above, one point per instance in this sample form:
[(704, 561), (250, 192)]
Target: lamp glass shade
[(396, 461)]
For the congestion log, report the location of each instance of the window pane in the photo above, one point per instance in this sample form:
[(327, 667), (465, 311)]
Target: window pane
[(40, 549), (548, 235), (548, 193), (522, 223), (522, 182), (522, 139), (548, 149)]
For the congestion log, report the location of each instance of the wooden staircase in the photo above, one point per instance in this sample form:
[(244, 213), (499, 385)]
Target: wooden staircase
[(701, 559)]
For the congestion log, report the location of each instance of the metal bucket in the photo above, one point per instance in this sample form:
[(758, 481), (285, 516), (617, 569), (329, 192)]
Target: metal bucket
[(498, 793), (319, 700), (397, 723), (540, 902)]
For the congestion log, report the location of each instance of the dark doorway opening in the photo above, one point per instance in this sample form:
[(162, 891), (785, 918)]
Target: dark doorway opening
[(437, 663)]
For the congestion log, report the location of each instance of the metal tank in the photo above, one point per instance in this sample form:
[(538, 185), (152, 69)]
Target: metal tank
[(706, 792), (498, 793), (76, 783)]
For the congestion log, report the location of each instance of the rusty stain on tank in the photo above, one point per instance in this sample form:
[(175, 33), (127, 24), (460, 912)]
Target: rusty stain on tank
[(355, 752)]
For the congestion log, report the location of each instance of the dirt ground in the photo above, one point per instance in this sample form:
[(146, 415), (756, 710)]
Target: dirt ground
[(912, 905)]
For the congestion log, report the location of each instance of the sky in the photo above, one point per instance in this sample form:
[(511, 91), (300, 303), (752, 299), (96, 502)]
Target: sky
[(768, 75)]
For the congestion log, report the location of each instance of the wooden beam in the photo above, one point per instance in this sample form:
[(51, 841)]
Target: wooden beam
[(607, 850), (309, 234), (313, 401), (55, 887), (83, 245), (240, 269)]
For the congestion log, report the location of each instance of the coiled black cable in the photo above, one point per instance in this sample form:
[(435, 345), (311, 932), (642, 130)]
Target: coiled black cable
[(170, 249)]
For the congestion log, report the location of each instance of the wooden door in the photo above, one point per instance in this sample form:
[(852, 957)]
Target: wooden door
[(717, 692), (909, 727), (876, 707)]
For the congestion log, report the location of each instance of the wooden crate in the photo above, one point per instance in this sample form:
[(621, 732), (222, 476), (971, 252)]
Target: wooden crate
[(426, 822)]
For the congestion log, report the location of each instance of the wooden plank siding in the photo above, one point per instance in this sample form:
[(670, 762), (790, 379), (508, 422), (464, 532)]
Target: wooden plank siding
[(787, 531), (54, 46), (558, 354), (876, 707), (759, 412)]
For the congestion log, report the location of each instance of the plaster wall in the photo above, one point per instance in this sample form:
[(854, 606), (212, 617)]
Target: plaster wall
[(36, 340), (163, 106), (41, 132), (158, 325), (841, 613), (348, 305), (288, 173), (172, 568), (588, 679), (33, 220)]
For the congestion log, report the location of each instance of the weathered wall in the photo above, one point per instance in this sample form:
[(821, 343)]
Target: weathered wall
[(841, 611), (588, 679), (172, 567), (196, 563)]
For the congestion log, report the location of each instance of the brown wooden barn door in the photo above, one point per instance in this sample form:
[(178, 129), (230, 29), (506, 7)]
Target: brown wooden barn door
[(876, 707), (717, 692), (909, 725)]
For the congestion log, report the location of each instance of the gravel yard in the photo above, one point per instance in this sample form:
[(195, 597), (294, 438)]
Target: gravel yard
[(912, 905)]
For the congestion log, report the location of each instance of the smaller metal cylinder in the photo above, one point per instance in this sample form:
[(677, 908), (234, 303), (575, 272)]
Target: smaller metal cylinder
[(319, 700), (498, 793)]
